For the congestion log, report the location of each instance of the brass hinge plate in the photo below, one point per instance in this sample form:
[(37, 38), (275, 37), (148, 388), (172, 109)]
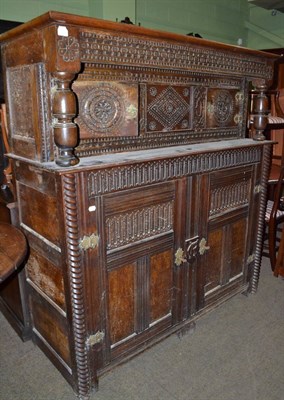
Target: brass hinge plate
[(257, 189), (250, 258), (98, 337), (89, 242)]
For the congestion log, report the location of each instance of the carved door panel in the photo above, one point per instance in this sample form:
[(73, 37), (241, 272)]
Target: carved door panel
[(224, 266), (139, 273)]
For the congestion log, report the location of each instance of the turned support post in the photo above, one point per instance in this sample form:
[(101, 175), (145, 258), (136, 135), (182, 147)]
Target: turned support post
[(64, 110), (259, 110)]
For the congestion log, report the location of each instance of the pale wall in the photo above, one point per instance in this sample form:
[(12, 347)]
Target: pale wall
[(267, 30), (24, 10), (221, 20)]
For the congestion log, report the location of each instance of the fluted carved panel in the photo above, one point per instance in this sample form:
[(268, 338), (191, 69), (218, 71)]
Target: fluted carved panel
[(124, 177), (139, 224), (227, 197)]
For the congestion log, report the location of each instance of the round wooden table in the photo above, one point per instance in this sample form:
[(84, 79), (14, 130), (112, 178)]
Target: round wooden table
[(13, 249)]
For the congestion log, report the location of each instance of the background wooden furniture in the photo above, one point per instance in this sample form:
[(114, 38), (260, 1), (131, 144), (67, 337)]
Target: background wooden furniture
[(274, 216), (279, 267), (277, 133), (13, 249), (141, 198), (13, 298)]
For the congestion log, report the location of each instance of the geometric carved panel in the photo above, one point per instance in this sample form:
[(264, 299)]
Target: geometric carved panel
[(106, 109), (164, 108)]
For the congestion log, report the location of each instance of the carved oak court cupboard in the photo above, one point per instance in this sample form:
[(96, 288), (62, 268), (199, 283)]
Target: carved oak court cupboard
[(139, 194)]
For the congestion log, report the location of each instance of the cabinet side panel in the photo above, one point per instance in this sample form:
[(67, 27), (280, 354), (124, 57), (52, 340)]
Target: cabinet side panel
[(46, 277), (39, 213), (28, 112), (51, 328)]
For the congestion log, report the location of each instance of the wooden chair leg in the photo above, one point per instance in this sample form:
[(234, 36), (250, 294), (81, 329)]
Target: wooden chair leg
[(279, 266), (272, 243)]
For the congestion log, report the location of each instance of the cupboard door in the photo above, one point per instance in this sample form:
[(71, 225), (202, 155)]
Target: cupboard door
[(224, 264), (139, 242)]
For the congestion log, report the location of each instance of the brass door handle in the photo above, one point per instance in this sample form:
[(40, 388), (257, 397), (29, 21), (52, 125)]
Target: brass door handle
[(193, 247), (203, 247)]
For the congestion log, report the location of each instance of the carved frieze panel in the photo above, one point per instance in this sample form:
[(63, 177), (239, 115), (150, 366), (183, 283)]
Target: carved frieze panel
[(105, 47), (107, 109), (172, 108), (135, 225), (164, 108)]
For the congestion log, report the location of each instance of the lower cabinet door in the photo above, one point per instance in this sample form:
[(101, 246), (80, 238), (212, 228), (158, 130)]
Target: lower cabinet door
[(224, 264), (139, 276)]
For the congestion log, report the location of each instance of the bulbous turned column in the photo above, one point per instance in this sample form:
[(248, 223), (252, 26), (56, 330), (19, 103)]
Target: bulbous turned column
[(64, 110), (259, 110)]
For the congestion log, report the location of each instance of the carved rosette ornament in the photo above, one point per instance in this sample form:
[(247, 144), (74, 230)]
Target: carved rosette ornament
[(68, 48)]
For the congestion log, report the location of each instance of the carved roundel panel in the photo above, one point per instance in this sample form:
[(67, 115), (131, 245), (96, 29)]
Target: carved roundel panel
[(106, 109), (223, 108), (103, 108)]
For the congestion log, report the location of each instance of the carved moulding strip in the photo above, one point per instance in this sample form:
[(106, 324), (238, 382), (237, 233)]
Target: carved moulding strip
[(139, 224), (123, 73), (75, 274), (141, 174), (89, 147), (107, 47), (47, 150), (228, 197)]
